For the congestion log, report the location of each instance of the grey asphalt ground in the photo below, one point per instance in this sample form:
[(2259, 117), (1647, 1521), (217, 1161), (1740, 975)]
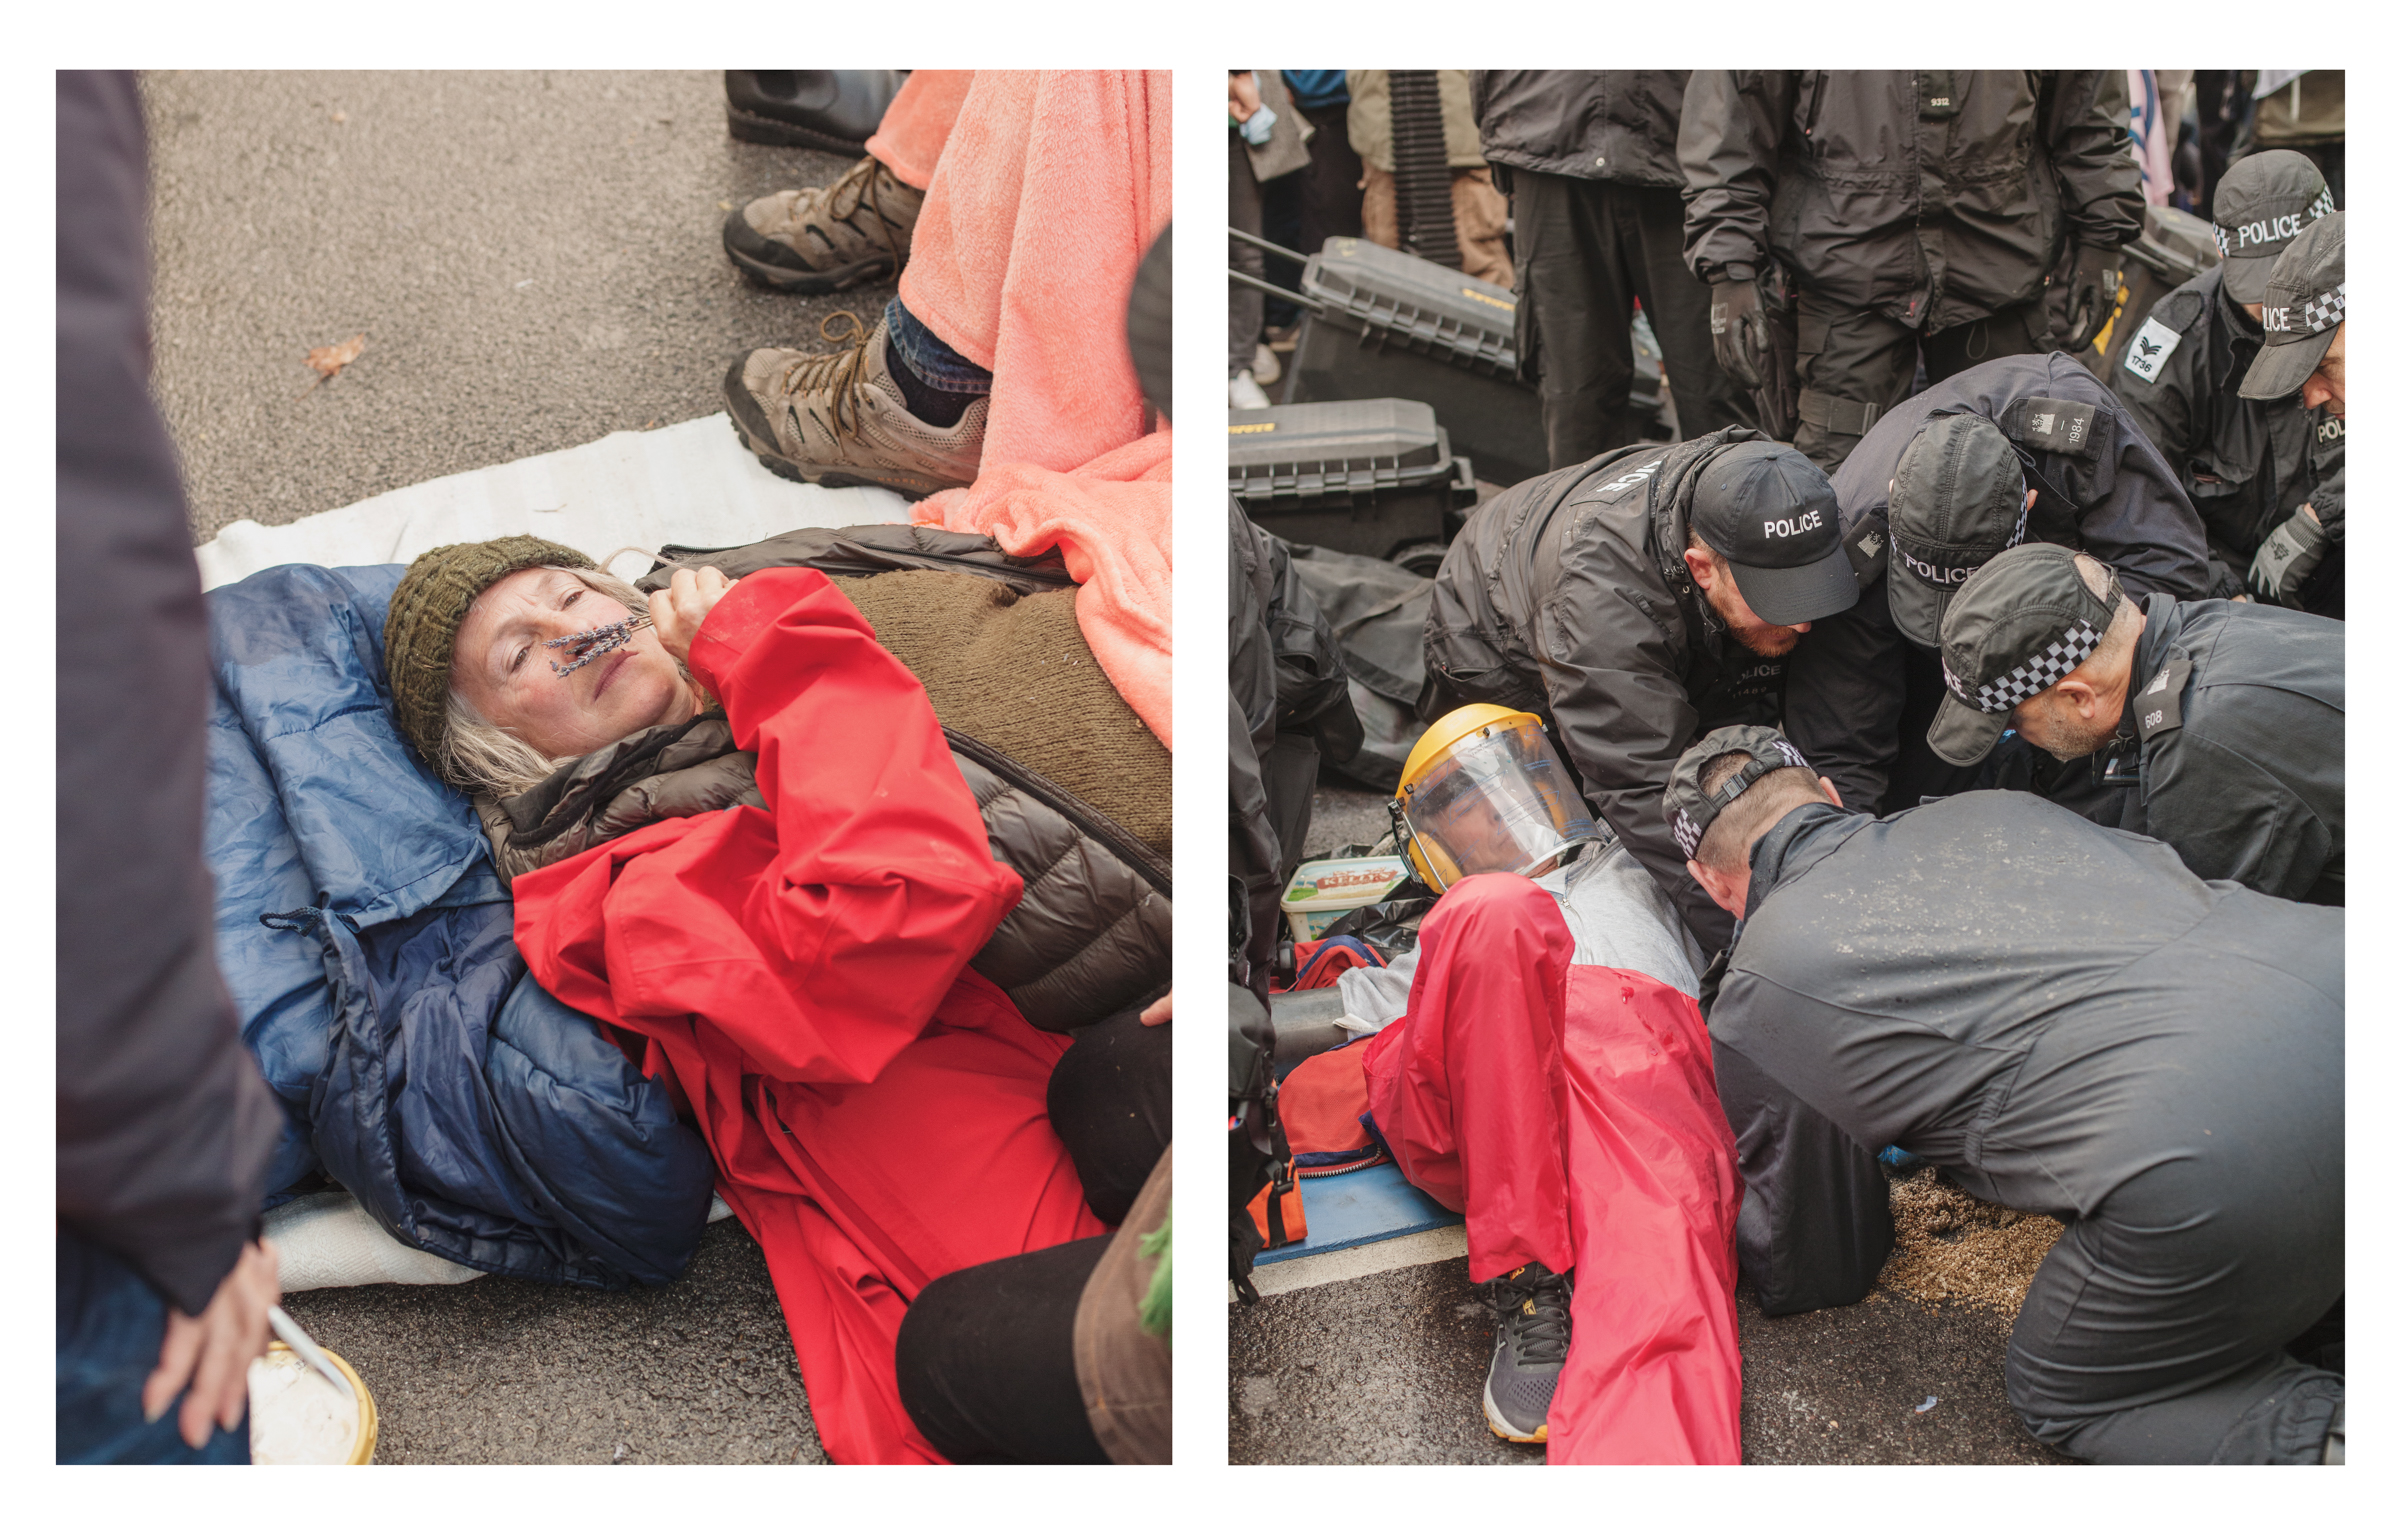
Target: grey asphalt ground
[(1389, 1368), (535, 262)]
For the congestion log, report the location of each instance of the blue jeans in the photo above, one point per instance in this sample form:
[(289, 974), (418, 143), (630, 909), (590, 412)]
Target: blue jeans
[(110, 1325), (929, 357)]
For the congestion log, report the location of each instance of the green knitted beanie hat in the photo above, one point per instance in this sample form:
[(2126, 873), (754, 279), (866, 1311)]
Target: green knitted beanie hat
[(430, 604)]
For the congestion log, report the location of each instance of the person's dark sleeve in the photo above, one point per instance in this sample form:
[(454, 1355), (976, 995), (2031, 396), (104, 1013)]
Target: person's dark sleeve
[(2090, 134), (2228, 818), (1844, 691), (165, 1126), (2135, 517), (1623, 718), (1726, 142)]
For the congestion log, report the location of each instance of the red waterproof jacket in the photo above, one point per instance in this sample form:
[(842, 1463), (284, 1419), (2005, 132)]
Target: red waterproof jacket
[(876, 1110)]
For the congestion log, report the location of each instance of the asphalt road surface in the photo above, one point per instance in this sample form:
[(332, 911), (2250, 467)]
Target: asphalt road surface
[(1388, 1368), (534, 261)]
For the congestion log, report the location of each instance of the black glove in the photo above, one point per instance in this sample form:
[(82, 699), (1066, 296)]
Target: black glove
[(2091, 296), (2287, 559), (1737, 326)]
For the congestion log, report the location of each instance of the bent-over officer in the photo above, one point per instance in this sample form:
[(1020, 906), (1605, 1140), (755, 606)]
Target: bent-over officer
[(2226, 717), (2302, 319), (2020, 448), (1635, 601), (2069, 1022), (2251, 467)]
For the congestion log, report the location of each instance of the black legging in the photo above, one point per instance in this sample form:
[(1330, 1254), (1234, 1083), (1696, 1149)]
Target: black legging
[(986, 1356)]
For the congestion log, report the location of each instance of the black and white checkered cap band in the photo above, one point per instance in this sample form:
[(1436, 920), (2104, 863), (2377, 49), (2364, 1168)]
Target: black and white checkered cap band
[(2310, 315), (1687, 834), (2044, 668)]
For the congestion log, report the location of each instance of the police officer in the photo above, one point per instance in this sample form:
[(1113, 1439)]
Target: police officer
[(2069, 1022), (2303, 321), (2250, 466), (1634, 602), (2018, 448), (2229, 716), (1919, 212), (1589, 157)]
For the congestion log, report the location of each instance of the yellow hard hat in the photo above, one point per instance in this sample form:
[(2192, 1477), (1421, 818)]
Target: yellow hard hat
[(1448, 730), (1483, 791)]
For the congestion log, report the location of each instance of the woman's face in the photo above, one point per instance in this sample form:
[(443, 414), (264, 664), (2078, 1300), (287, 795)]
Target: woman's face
[(501, 667)]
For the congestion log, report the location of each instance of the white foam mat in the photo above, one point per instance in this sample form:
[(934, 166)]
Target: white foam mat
[(691, 484)]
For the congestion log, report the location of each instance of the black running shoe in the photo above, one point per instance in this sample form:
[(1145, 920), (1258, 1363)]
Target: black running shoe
[(1534, 1328)]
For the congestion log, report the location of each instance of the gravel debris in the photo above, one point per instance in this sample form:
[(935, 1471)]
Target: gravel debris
[(1951, 1247)]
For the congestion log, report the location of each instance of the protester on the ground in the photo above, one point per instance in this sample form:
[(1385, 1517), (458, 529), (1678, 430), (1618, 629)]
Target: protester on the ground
[(1875, 191), (880, 1113), (2250, 467), (1550, 993), (1479, 214), (165, 1127), (1587, 158), (2019, 448), (1635, 602), (2067, 1022), (2229, 715)]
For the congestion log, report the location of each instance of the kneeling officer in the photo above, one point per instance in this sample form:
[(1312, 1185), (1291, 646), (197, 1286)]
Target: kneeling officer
[(2227, 718), (2068, 1022), (1634, 602)]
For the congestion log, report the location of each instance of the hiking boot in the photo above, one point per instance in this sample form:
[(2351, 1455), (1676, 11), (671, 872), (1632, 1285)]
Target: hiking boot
[(1534, 1327), (839, 418), (820, 239)]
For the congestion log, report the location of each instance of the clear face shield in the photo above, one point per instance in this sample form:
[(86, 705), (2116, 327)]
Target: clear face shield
[(1496, 800)]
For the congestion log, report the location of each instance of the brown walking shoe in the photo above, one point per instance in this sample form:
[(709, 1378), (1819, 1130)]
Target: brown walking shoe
[(820, 239), (839, 418)]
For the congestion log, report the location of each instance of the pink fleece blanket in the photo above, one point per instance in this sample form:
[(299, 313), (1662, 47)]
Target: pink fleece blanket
[(1048, 189)]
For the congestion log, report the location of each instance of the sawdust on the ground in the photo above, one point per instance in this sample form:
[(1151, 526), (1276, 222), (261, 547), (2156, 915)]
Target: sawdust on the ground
[(1951, 1248)]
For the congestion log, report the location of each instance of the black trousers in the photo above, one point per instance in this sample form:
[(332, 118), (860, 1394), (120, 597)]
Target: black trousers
[(1245, 209), (1855, 364), (986, 1355), (1585, 251)]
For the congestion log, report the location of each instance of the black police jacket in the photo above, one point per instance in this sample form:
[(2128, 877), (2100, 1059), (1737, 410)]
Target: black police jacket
[(1593, 124), (2098, 486), (1937, 197), (2236, 715), (2247, 465), (2044, 1007), (1567, 596)]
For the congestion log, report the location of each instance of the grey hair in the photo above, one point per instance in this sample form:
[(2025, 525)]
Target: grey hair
[(483, 758)]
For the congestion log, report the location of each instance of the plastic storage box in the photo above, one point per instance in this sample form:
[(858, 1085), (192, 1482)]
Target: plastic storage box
[(1373, 477), (1383, 324), (1323, 889)]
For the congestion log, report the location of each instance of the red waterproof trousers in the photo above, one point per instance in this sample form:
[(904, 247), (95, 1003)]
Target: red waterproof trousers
[(1570, 1113)]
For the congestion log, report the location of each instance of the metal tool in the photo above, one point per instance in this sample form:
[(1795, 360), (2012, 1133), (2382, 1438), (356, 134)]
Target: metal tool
[(296, 1339)]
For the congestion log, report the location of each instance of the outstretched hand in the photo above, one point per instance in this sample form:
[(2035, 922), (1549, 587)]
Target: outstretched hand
[(678, 611)]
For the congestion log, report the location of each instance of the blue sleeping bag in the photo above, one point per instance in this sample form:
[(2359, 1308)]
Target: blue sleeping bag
[(367, 943)]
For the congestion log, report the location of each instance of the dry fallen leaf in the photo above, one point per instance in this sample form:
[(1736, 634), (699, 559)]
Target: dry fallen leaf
[(330, 360)]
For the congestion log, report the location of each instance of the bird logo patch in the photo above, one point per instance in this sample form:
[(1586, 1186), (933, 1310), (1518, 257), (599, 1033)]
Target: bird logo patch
[(2152, 345)]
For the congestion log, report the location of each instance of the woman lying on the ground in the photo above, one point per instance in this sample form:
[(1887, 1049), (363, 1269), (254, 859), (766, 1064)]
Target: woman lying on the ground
[(772, 881)]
